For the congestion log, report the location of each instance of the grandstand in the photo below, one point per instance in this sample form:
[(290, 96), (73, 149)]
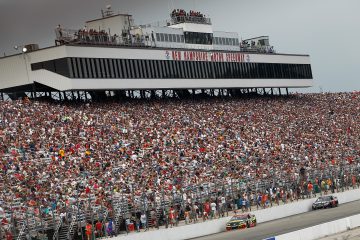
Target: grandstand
[(67, 165), (114, 58)]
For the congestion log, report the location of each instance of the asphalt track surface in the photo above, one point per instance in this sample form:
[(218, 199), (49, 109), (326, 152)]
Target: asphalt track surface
[(289, 224)]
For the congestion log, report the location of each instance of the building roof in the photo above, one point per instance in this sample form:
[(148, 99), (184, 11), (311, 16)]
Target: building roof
[(111, 16)]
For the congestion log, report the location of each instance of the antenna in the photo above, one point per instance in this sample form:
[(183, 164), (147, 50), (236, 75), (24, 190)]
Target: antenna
[(108, 12)]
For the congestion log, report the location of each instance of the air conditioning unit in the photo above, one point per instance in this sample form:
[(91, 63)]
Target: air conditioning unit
[(32, 47)]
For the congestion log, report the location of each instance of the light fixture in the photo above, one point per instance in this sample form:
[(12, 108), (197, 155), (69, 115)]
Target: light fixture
[(24, 49), (16, 47)]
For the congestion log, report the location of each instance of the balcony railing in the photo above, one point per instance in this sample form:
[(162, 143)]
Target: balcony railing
[(120, 207), (190, 19), (69, 36)]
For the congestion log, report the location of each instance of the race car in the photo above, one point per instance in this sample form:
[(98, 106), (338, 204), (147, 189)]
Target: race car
[(325, 202), (241, 221)]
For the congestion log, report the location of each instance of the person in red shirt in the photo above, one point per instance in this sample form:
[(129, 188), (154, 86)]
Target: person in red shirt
[(88, 230), (9, 236), (98, 227), (172, 216), (206, 210), (4, 221), (310, 189)]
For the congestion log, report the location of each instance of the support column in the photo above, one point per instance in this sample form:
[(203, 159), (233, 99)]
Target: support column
[(272, 92), (287, 91), (279, 91)]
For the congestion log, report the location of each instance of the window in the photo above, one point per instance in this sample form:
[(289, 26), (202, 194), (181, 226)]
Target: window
[(166, 37), (111, 68), (116, 69), (88, 68), (171, 70), (107, 70), (79, 67), (209, 70), (84, 67), (158, 37), (130, 68), (184, 70), (151, 69), (175, 69), (156, 69), (136, 69), (162, 37), (119, 68), (166, 69), (102, 68), (146, 69), (124, 68), (141, 68), (198, 38), (62, 66)]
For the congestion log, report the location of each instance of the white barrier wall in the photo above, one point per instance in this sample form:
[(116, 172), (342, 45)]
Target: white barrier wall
[(263, 215), (323, 230)]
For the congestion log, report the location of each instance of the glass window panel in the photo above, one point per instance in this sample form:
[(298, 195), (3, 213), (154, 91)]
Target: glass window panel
[(124, 68), (79, 68), (71, 73), (107, 68), (151, 69), (98, 68), (102, 68), (61, 66), (146, 69), (158, 69), (136, 68), (88, 72), (119, 68), (111, 68)]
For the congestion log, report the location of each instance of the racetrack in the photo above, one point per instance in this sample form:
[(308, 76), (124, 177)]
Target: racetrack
[(289, 224)]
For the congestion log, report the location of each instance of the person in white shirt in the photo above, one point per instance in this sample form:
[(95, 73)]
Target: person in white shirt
[(213, 209), (143, 220)]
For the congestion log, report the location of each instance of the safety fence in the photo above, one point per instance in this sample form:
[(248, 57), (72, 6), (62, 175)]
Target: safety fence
[(129, 210)]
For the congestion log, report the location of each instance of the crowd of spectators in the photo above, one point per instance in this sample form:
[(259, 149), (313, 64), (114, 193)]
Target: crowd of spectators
[(84, 36), (181, 15), (53, 153)]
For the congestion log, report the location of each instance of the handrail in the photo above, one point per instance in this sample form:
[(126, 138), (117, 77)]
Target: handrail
[(56, 233), (125, 203), (22, 231), (72, 224), (190, 19)]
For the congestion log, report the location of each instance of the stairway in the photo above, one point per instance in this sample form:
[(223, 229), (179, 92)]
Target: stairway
[(63, 232)]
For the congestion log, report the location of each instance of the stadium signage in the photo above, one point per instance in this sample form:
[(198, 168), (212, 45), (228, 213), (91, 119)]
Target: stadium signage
[(205, 56)]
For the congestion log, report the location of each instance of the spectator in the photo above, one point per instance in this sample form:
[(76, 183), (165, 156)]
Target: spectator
[(145, 155)]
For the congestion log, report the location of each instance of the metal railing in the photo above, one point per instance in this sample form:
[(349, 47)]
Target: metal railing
[(189, 203), (69, 36), (190, 19)]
